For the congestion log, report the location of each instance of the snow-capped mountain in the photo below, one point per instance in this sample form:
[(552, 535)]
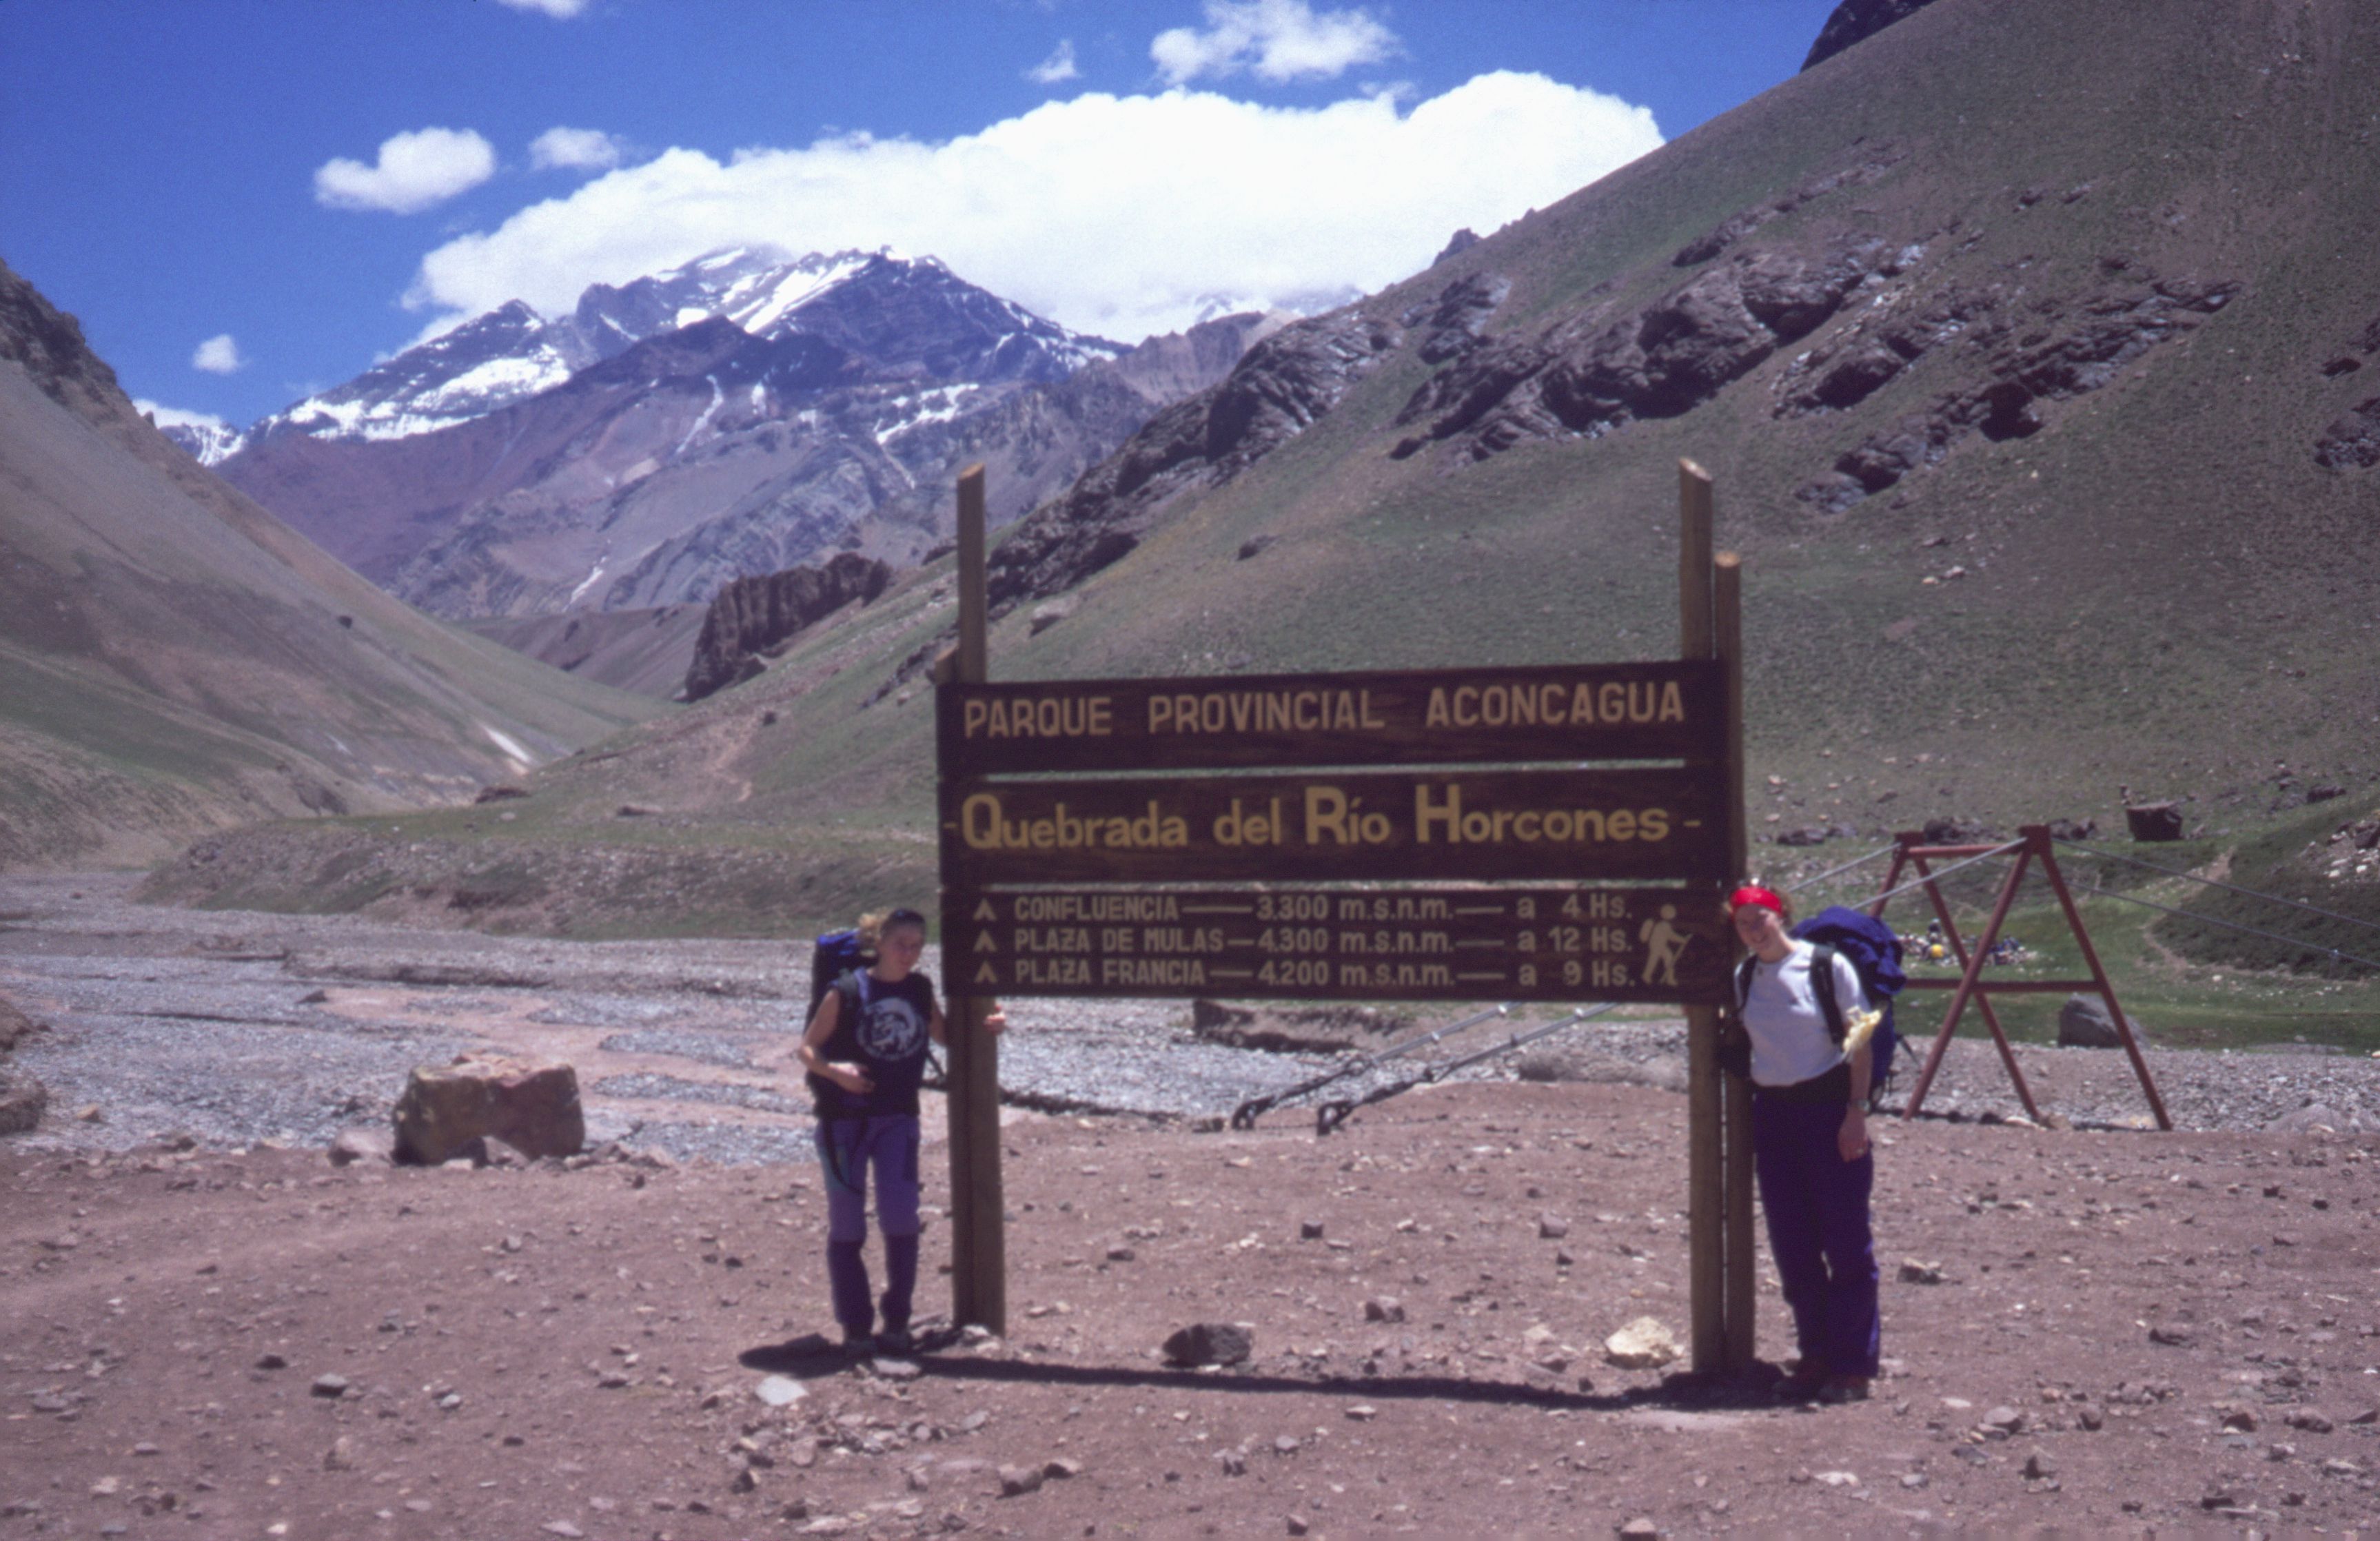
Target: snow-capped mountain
[(489, 361), (739, 413), (206, 438), (907, 315)]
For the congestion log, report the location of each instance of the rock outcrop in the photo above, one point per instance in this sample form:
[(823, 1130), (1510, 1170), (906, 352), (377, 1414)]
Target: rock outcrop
[(753, 614), (1589, 372), (1856, 22), (2352, 443), (1455, 321), (2034, 350), (1279, 388), (444, 1108)]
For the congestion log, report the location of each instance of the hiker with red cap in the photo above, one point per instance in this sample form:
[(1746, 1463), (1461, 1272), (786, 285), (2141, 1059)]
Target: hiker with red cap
[(1810, 1147)]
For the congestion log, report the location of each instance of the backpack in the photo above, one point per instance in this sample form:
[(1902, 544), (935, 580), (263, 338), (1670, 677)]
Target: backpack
[(836, 954), (1874, 952)]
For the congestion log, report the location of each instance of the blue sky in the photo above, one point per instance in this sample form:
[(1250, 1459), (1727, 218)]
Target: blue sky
[(242, 200)]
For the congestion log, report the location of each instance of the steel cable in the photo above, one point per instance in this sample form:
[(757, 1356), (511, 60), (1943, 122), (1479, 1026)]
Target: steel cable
[(2231, 887), (2299, 942)]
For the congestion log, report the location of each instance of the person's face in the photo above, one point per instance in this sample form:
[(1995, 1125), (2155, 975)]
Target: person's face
[(898, 949), (1760, 928)]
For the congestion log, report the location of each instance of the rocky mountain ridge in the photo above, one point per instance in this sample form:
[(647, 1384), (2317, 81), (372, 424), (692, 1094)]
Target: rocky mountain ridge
[(741, 415), (512, 352)]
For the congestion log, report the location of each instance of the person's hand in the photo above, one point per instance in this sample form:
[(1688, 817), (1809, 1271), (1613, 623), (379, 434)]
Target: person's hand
[(849, 1075), (1851, 1138), (995, 1020)]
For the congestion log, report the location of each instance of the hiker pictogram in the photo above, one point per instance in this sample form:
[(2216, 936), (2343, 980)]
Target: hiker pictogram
[(1664, 945)]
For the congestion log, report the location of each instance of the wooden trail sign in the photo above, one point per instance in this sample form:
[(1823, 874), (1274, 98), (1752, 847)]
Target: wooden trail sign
[(1078, 859)]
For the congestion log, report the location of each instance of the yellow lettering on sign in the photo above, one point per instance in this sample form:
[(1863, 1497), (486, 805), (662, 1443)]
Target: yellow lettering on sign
[(1439, 816), (1038, 717), (984, 825)]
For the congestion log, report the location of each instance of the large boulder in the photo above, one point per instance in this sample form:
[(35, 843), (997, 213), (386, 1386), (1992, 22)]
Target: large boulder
[(23, 1100), (2084, 1022), (2154, 821), (532, 1108)]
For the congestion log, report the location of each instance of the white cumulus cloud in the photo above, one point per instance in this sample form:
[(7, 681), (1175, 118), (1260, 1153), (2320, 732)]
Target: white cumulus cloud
[(561, 10), (1118, 215), (414, 171), (1060, 65), (218, 355), (1280, 40), (574, 150)]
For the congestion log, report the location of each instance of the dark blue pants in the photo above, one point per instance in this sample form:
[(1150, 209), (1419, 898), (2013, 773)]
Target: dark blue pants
[(1816, 1204), (848, 1148)]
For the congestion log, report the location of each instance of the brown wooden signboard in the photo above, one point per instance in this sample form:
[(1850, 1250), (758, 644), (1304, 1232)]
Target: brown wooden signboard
[(1608, 711), (1326, 826), (1543, 943)]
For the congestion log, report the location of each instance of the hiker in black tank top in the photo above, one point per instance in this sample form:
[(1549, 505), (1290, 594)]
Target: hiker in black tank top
[(865, 1051)]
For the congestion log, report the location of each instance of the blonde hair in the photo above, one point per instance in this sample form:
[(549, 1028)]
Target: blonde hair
[(872, 927)]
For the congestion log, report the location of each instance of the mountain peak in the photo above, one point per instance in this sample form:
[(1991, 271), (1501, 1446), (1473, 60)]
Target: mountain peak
[(1856, 22), (909, 315)]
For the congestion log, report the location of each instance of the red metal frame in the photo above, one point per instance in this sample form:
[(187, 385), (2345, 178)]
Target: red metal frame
[(2032, 845)]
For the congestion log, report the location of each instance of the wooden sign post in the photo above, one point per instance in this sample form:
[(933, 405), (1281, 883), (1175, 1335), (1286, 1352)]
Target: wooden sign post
[(979, 1241), (1555, 832)]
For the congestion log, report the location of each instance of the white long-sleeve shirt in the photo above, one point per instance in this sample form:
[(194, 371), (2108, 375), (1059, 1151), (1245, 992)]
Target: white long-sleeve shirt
[(1790, 1040)]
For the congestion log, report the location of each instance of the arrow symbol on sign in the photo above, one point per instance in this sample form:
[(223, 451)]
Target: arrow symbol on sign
[(985, 974), (983, 942), (983, 910)]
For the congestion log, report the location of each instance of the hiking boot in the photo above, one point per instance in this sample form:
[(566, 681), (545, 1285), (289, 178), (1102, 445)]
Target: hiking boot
[(1844, 1387), (1807, 1382), (897, 1341), (858, 1345)]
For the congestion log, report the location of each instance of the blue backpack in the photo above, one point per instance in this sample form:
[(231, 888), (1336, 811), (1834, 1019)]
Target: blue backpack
[(1873, 948), (836, 954)]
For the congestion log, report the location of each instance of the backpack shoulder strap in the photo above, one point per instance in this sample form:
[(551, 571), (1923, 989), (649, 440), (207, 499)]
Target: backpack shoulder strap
[(1822, 985), (1743, 980)]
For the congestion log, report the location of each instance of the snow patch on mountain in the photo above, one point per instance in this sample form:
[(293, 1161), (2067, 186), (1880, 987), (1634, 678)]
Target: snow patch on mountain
[(852, 299), (205, 437)]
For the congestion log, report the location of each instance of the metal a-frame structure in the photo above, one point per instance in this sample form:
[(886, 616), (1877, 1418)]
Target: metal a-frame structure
[(2032, 845)]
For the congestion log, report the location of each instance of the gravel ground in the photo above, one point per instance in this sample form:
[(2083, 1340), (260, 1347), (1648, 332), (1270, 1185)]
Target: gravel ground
[(237, 1027)]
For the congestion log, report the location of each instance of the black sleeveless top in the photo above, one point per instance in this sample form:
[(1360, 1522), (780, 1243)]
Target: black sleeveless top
[(883, 1028)]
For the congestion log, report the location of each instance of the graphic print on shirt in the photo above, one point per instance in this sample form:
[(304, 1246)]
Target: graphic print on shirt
[(890, 1030)]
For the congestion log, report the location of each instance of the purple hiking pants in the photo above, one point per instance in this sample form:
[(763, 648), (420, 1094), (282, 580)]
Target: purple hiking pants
[(848, 1149), (1816, 1204)]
